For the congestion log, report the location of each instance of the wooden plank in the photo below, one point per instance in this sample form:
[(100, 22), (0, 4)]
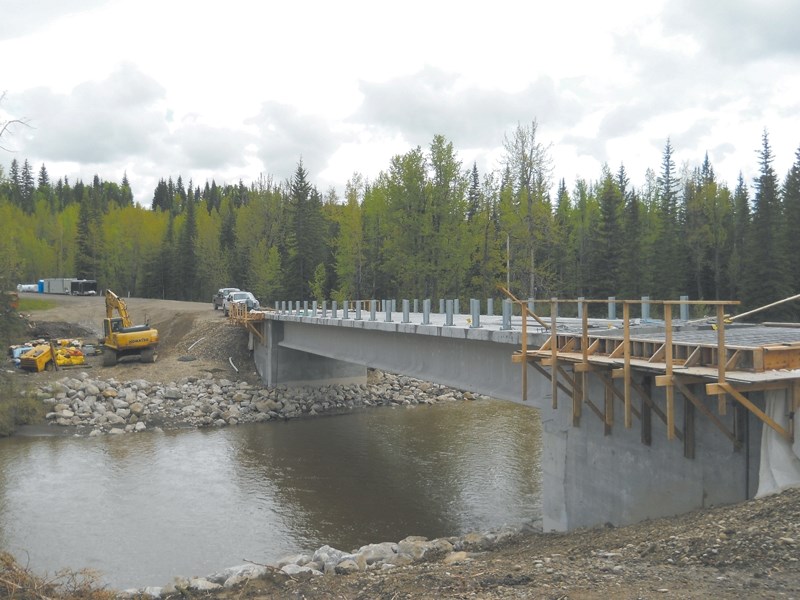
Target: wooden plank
[(609, 409), (757, 411), (548, 343), (781, 358), (593, 347), (715, 389), (733, 360), (694, 357), (658, 355), (665, 380), (619, 351)]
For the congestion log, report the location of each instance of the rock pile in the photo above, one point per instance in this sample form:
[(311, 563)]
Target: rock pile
[(330, 561), (109, 406)]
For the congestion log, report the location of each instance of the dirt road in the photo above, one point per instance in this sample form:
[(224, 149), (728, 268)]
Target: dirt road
[(194, 338)]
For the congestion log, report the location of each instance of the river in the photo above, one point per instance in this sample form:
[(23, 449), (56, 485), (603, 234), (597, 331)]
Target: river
[(143, 508)]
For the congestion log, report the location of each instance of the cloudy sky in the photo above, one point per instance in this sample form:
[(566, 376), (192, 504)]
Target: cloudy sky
[(230, 90)]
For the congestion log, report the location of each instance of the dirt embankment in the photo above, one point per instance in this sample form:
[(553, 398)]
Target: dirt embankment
[(194, 338)]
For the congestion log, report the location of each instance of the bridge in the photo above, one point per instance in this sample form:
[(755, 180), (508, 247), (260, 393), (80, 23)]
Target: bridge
[(640, 418)]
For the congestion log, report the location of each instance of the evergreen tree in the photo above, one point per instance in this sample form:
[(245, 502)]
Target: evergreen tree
[(306, 242), (765, 273), (187, 255), (791, 203), (606, 274), (27, 187), (669, 258)]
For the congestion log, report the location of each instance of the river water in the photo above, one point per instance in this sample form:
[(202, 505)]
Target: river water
[(141, 509)]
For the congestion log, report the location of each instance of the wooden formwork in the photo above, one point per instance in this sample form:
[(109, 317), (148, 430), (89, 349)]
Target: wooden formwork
[(724, 361)]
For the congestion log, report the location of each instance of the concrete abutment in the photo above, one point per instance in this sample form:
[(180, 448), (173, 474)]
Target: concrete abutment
[(593, 472)]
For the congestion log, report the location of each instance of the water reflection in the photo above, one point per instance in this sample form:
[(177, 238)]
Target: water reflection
[(144, 508)]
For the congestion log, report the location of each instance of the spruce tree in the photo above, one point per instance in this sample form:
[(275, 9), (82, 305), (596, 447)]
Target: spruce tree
[(765, 273)]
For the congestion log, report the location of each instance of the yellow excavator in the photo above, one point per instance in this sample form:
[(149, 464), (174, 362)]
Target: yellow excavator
[(122, 338)]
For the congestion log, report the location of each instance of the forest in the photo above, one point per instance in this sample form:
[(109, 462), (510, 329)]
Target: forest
[(427, 226)]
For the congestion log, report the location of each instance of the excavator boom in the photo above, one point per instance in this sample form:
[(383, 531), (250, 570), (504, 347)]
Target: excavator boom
[(114, 302)]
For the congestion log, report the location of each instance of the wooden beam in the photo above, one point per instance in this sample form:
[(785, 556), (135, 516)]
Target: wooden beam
[(713, 389), (733, 360), (593, 346), (756, 411), (664, 380), (524, 353), (609, 383), (694, 357), (547, 343), (620, 349), (570, 345), (658, 355)]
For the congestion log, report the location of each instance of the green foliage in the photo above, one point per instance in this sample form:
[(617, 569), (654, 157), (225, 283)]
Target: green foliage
[(16, 409), (426, 227), (317, 285)]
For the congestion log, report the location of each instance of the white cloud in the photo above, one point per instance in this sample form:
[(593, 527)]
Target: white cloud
[(234, 90)]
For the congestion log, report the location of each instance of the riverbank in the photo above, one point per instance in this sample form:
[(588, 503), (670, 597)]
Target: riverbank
[(84, 405)]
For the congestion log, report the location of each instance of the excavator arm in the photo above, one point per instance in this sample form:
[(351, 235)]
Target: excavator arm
[(114, 302)]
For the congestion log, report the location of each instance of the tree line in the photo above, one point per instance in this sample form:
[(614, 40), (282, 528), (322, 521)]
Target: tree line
[(426, 227)]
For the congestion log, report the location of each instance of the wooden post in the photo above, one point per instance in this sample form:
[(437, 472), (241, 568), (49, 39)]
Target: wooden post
[(524, 353), (626, 317), (554, 349), (670, 389), (721, 356), (585, 351)]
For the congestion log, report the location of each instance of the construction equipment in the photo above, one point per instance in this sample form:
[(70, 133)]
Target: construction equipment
[(40, 357), (122, 338)]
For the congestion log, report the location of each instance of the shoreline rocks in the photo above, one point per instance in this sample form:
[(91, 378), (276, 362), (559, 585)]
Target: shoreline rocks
[(327, 560), (98, 406)]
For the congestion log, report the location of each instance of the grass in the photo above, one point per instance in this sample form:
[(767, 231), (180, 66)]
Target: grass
[(16, 409), (19, 583), (30, 304)]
